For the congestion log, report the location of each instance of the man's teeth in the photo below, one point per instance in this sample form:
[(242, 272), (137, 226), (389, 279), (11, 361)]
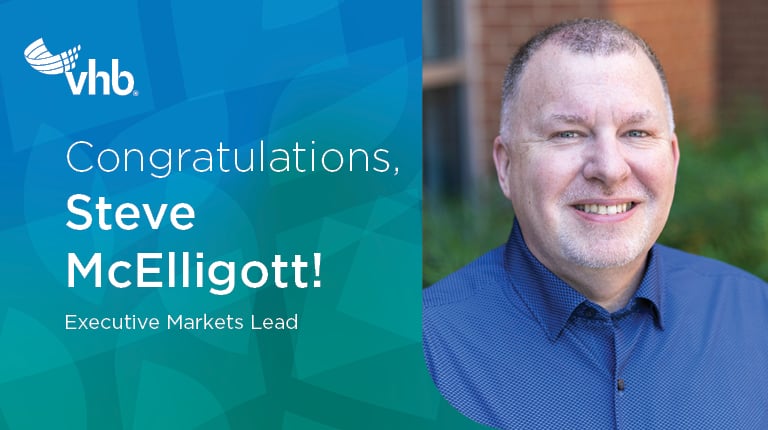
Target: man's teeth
[(605, 210)]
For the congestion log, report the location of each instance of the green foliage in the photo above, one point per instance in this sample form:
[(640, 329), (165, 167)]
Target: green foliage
[(720, 208), (456, 232)]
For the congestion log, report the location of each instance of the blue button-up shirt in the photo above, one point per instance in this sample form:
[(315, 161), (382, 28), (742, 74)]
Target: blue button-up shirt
[(511, 345)]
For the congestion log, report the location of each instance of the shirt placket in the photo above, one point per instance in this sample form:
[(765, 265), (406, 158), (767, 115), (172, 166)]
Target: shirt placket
[(612, 338), (626, 328)]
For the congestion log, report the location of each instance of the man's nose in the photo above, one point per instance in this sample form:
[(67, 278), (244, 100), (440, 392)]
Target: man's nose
[(605, 160)]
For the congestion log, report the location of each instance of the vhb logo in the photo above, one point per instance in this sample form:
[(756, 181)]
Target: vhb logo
[(43, 61)]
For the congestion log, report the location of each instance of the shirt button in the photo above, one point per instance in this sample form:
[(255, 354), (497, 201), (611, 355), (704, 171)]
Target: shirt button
[(620, 385), (589, 312)]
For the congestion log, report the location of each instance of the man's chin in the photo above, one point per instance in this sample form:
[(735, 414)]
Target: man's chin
[(596, 253)]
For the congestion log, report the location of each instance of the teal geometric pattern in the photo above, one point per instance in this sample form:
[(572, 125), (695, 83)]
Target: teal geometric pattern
[(324, 74)]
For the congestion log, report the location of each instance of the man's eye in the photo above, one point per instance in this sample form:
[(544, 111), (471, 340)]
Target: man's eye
[(637, 133), (567, 134)]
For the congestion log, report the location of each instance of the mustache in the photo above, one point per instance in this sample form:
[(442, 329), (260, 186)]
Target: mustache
[(638, 193)]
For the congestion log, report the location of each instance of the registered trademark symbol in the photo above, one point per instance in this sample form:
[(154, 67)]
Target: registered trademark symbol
[(135, 93)]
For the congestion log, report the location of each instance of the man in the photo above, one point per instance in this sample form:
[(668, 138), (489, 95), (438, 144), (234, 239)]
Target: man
[(581, 320)]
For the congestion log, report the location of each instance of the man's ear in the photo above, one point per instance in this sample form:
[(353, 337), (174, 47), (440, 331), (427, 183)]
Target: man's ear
[(502, 160), (675, 151)]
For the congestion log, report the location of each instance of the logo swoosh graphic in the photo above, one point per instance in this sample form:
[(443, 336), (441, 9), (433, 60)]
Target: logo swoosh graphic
[(43, 61)]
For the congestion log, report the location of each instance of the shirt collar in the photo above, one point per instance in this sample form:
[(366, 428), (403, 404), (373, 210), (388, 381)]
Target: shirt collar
[(552, 301)]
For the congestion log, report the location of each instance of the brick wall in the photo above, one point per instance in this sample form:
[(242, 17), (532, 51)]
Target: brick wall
[(743, 49)]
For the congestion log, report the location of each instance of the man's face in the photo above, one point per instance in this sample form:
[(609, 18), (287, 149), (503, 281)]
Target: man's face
[(590, 161)]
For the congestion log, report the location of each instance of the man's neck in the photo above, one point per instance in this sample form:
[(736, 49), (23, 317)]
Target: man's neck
[(610, 288)]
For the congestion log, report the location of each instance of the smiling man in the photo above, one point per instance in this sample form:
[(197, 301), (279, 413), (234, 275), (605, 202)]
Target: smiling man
[(581, 320)]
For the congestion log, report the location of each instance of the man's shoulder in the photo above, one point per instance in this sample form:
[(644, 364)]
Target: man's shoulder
[(684, 266), (467, 281)]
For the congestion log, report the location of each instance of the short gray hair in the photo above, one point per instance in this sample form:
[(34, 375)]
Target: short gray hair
[(583, 36)]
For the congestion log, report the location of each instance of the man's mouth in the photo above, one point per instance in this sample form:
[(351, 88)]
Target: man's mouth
[(605, 209)]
